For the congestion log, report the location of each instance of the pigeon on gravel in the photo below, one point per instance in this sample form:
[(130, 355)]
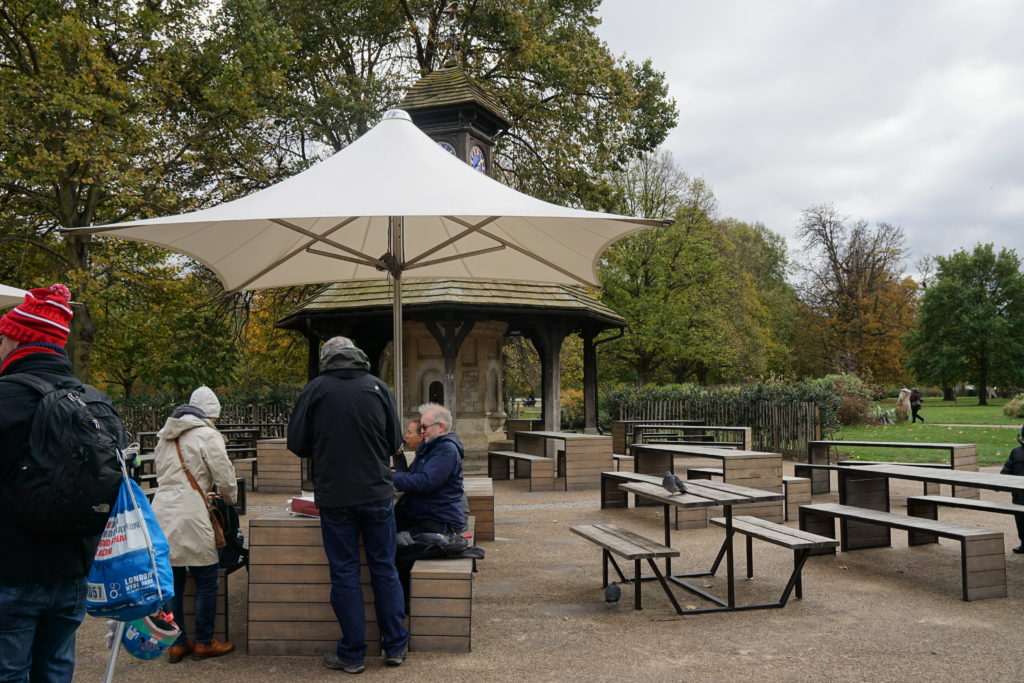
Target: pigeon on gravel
[(673, 484), (612, 593)]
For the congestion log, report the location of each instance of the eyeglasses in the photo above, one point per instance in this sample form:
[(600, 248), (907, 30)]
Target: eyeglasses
[(423, 428)]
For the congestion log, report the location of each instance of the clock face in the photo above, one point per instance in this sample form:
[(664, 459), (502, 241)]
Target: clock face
[(476, 159), (447, 146)]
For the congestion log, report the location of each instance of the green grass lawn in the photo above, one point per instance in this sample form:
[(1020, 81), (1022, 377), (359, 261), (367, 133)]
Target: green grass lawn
[(963, 411), (993, 443)]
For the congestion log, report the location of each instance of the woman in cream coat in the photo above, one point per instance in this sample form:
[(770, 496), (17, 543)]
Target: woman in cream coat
[(184, 517)]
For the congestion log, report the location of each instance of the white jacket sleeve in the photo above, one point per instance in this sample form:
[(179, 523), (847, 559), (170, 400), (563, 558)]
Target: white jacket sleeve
[(222, 471)]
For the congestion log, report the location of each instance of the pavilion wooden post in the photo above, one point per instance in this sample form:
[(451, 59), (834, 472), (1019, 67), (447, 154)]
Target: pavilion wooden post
[(449, 340), (589, 383), (548, 342)]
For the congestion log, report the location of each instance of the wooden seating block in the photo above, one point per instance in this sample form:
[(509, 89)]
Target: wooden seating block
[(480, 494), (798, 492), (279, 470), (540, 470), (221, 625), (441, 606)]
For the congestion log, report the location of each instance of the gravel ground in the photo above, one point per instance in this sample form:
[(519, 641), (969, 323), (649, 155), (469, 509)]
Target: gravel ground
[(887, 614)]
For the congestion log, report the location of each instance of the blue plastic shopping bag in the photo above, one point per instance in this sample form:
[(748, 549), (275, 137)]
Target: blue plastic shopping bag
[(131, 575)]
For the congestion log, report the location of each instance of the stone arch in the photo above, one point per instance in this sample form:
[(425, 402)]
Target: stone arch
[(429, 377)]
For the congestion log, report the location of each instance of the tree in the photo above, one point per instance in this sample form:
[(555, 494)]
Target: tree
[(118, 109), (970, 319), (852, 286), (576, 110)]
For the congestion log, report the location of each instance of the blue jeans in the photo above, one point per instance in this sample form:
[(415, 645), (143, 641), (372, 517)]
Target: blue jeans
[(341, 529), (37, 630), (206, 602)]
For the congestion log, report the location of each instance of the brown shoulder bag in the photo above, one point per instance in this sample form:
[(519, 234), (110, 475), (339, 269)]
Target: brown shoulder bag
[(215, 517)]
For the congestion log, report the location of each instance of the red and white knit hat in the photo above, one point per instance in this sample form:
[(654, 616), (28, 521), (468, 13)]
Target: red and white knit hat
[(44, 316)]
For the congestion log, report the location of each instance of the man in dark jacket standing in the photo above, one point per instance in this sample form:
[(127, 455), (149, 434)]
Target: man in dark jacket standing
[(347, 422), (1015, 465), (433, 484), (43, 578)]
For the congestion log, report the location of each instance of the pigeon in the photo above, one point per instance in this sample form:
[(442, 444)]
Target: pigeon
[(612, 593), (673, 484)]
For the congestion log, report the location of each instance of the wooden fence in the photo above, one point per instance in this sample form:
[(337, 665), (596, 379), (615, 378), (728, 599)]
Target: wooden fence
[(778, 427), (272, 418)]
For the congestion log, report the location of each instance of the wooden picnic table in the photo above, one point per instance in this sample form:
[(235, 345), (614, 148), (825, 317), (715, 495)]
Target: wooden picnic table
[(868, 486), (622, 430), (962, 456), (648, 433), (581, 460), (704, 494), (752, 469)]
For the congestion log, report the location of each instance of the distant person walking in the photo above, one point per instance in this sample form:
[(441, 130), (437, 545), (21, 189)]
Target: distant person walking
[(915, 405), (347, 422), (903, 405), (1015, 465)]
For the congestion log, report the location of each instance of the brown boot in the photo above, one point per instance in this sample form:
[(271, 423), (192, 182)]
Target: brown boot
[(214, 649), (176, 653)]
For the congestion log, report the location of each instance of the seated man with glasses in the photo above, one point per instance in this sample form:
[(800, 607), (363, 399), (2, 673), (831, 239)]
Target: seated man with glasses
[(433, 500)]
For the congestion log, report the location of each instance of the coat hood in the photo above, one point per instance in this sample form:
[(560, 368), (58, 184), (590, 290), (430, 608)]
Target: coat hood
[(176, 426), (349, 358), (207, 401), (452, 438)]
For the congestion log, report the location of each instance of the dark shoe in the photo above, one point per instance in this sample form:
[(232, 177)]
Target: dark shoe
[(214, 649), (397, 658), (1019, 549), (176, 653), (333, 661)]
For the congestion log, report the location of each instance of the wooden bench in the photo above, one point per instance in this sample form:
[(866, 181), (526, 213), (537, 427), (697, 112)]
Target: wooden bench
[(539, 469), (927, 507), (614, 497), (982, 560), (802, 543), (441, 605), (630, 546), (618, 459)]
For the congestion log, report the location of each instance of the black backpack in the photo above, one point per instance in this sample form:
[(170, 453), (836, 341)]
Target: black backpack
[(234, 555), (68, 481)]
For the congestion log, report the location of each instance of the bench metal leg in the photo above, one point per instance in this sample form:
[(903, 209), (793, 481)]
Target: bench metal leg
[(636, 585), (662, 581), (795, 579), (607, 556), (750, 557)]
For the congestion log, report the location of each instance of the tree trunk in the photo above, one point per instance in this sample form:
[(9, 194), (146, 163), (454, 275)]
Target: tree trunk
[(982, 394), (948, 394), (79, 346)]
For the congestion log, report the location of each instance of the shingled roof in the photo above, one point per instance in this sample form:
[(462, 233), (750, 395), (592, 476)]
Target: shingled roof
[(450, 86), (421, 294)]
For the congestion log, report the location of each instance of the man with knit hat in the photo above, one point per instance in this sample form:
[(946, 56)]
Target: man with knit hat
[(43, 580), (1015, 465)]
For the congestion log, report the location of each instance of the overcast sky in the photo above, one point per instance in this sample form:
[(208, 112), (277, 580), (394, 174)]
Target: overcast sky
[(904, 111)]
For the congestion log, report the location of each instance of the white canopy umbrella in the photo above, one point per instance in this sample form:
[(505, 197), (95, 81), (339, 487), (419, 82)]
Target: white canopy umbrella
[(10, 296), (390, 203)]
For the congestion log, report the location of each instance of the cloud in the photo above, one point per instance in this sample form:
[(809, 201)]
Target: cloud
[(906, 112)]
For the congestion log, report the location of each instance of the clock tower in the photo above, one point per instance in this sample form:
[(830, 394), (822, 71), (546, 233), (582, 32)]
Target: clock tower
[(458, 114)]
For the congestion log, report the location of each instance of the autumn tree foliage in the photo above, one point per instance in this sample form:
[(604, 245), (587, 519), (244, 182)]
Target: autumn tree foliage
[(857, 304)]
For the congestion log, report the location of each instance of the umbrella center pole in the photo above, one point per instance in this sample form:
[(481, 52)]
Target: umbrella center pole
[(396, 250)]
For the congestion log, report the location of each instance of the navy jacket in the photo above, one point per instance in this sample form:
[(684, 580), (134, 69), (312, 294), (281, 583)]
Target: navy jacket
[(346, 421), (33, 558), (433, 484), (1015, 465)]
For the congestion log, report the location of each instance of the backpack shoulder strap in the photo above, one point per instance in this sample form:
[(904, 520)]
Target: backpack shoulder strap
[(31, 381)]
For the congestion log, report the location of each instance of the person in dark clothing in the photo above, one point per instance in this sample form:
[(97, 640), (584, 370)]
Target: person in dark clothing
[(43, 582), (347, 422), (915, 405), (433, 484), (1015, 465)]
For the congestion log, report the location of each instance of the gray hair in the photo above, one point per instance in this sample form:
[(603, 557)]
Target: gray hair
[(333, 345), (441, 414)]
